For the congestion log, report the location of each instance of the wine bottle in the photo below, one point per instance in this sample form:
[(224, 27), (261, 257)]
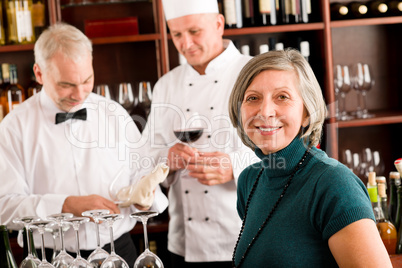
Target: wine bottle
[(38, 16), (2, 33), (305, 49), (19, 20), (267, 12), (232, 12), (14, 92), (34, 87), (394, 183), (248, 13), (382, 194), (387, 230), (6, 255), (305, 10), (357, 10), (263, 48), (373, 193), (378, 8), (245, 50), (339, 11), (395, 7)]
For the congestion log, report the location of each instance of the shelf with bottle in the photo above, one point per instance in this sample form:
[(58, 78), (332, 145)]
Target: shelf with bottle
[(380, 118), (73, 3)]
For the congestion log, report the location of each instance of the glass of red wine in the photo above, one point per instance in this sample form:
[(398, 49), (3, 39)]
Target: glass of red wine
[(188, 128)]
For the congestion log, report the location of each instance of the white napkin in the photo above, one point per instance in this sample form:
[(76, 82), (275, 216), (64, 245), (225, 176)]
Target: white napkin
[(142, 192)]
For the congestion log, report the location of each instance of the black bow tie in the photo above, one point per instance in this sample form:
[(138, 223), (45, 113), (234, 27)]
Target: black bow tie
[(80, 114)]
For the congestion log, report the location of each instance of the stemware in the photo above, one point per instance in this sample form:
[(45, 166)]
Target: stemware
[(119, 191), (79, 262), (126, 96), (343, 84), (188, 129), (30, 260), (97, 257), (114, 260), (362, 81), (103, 90), (379, 165), (145, 96), (63, 259), (53, 228), (147, 258), (347, 158), (41, 225)]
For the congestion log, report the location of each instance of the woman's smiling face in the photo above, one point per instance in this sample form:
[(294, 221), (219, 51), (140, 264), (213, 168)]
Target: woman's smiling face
[(272, 111)]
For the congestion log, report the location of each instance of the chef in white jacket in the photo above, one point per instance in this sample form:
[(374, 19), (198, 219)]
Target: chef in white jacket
[(204, 223)]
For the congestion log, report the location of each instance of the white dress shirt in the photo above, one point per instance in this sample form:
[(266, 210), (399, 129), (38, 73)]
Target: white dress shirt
[(41, 163), (204, 223)]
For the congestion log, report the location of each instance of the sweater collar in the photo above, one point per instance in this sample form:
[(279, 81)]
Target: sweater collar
[(283, 162)]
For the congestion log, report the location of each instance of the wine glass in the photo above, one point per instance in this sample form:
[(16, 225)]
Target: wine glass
[(53, 228), (363, 82), (98, 255), (379, 165), (344, 85), (188, 129), (147, 258), (79, 262), (119, 191), (126, 96), (347, 158), (41, 225), (114, 260), (145, 96), (30, 260), (103, 90), (63, 259)]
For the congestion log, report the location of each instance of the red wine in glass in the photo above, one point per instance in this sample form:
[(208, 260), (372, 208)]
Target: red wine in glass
[(189, 134)]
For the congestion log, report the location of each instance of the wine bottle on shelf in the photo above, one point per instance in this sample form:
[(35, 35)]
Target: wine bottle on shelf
[(305, 49), (378, 8), (34, 87), (19, 20), (305, 10), (284, 11), (14, 92), (6, 255), (245, 50), (232, 13), (339, 11), (267, 12), (2, 32), (248, 13), (394, 183), (395, 7), (387, 230), (382, 194), (357, 10), (38, 16), (263, 48), (279, 46)]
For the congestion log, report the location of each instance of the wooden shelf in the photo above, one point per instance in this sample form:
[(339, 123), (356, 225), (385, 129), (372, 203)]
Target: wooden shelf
[(16, 48), (126, 39), (381, 118), (363, 22), (275, 29)]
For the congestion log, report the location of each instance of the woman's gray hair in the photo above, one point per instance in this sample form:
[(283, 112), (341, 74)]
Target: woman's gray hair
[(64, 38), (310, 91)]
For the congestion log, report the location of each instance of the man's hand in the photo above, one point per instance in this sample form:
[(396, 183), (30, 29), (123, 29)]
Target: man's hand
[(78, 204), (211, 168), (179, 155)]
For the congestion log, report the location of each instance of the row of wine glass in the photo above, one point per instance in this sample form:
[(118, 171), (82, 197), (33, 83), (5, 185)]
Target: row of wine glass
[(126, 96), (57, 224), (359, 77), (361, 163)]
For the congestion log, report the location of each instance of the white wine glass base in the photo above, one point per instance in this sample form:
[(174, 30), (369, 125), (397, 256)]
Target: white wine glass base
[(30, 260), (99, 255), (147, 258)]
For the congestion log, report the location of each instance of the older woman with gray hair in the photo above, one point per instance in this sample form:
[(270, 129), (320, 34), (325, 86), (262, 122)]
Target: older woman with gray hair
[(299, 207)]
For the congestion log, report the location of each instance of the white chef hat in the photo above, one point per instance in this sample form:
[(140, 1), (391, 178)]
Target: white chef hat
[(179, 8)]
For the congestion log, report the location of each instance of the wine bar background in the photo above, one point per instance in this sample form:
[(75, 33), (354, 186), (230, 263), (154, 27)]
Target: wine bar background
[(151, 53)]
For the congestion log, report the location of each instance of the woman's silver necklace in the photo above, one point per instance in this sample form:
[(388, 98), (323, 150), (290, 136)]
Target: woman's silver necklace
[(270, 213)]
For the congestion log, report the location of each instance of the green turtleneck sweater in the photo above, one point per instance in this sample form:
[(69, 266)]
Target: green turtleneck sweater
[(323, 197)]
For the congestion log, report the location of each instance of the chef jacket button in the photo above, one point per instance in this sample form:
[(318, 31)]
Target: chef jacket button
[(186, 191), (189, 219), (216, 81), (206, 219), (190, 84), (206, 191), (188, 110), (212, 108), (209, 136)]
